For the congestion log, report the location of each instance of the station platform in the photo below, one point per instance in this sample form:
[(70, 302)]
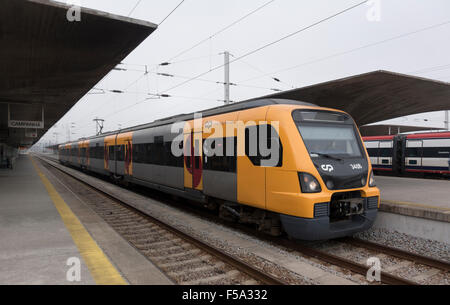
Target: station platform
[(49, 237), (425, 198)]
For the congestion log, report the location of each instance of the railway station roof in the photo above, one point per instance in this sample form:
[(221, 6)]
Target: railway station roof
[(47, 61), (376, 96)]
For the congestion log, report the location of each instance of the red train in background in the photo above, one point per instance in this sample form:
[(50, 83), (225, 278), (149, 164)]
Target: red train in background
[(414, 153)]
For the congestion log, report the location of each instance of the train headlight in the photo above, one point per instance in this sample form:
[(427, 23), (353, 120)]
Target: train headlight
[(308, 183), (372, 180)]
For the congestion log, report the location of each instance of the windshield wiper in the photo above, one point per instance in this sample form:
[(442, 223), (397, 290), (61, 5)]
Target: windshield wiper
[(326, 156)]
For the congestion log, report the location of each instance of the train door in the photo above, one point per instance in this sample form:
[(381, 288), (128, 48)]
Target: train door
[(251, 176), (193, 163), (414, 151), (84, 154), (110, 154), (68, 157), (123, 154), (112, 159)]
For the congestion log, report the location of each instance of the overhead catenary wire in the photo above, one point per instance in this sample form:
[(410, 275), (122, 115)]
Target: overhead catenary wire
[(349, 51), (432, 69), (171, 12), (134, 8), (269, 44), (278, 80), (155, 68), (152, 96), (254, 51), (221, 31)]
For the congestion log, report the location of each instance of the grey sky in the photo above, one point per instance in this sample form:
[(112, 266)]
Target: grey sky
[(196, 20)]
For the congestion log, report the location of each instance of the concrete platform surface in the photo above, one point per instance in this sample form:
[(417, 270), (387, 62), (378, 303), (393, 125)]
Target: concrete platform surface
[(428, 192), (423, 198), (40, 234), (35, 244)]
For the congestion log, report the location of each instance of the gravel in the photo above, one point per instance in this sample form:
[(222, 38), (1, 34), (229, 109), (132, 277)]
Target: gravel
[(409, 243)]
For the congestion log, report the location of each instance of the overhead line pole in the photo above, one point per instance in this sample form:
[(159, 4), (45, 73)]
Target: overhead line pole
[(227, 77)]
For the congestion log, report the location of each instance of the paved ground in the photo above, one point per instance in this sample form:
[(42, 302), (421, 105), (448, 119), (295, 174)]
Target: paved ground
[(427, 192), (35, 244), (43, 224)]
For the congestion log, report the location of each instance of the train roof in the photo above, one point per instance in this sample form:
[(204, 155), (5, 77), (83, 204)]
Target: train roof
[(378, 138), (206, 113), (423, 135), (429, 135)]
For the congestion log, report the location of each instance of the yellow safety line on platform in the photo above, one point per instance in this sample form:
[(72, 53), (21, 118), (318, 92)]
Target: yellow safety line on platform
[(415, 205), (101, 269)]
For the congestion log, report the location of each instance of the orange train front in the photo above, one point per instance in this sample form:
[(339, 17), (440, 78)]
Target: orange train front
[(285, 166)]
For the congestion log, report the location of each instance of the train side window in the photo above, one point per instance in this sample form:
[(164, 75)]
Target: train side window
[(111, 153), (412, 152), (120, 152), (254, 153), (373, 152), (136, 148), (100, 151), (226, 162), (171, 160), (188, 162)]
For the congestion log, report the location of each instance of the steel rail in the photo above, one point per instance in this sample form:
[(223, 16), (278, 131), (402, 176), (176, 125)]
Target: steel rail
[(386, 278), (237, 263), (416, 258)]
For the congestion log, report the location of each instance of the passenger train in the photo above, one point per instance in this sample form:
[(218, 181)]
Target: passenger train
[(315, 183), (423, 153)]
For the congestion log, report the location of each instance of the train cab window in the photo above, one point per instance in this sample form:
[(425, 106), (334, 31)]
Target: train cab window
[(253, 146)]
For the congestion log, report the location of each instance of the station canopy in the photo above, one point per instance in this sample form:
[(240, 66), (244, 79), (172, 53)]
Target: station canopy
[(50, 63), (376, 96)]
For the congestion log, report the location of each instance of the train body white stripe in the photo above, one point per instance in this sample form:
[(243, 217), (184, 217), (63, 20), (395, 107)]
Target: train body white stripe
[(435, 162), (436, 143), (386, 144)]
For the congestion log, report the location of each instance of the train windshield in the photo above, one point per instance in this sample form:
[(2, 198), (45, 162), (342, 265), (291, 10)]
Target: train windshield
[(328, 134)]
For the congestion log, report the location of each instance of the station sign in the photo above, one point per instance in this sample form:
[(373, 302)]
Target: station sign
[(24, 116), (25, 124)]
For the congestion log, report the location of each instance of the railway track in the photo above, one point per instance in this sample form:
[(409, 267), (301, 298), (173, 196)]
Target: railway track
[(182, 257), (413, 257), (330, 258)]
